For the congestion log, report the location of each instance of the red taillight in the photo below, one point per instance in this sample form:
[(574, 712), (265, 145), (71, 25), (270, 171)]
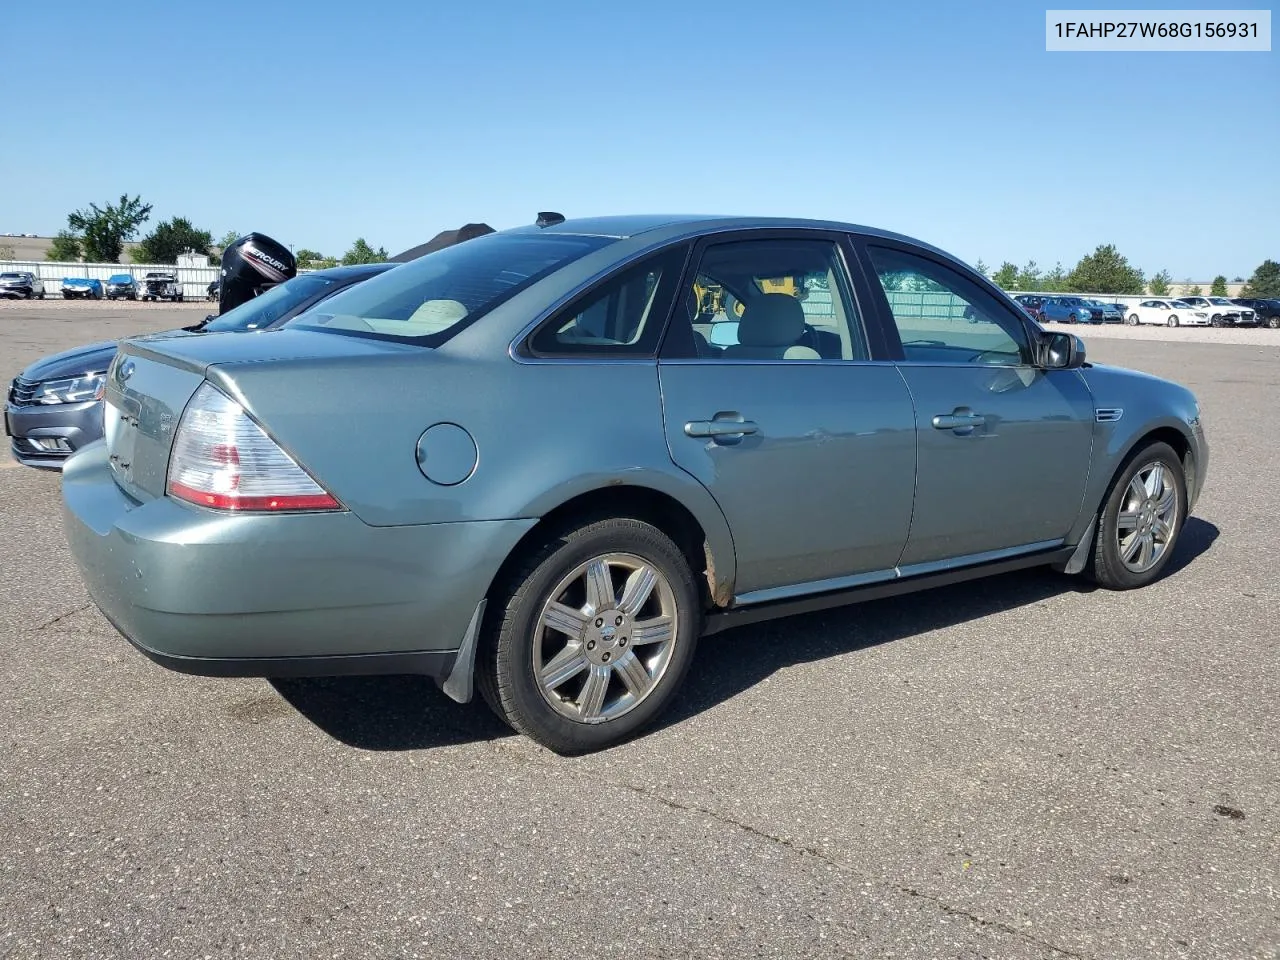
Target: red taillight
[(223, 460)]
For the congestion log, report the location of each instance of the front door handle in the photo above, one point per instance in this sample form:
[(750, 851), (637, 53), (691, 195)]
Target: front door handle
[(962, 421), (720, 427)]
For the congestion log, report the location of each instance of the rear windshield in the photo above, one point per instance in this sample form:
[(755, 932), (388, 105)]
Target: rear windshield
[(267, 308), (10, 276), (430, 299)]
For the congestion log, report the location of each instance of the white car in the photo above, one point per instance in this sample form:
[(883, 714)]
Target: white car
[(1168, 313)]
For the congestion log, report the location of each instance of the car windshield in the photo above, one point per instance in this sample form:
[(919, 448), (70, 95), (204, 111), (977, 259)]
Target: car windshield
[(1181, 303), (1221, 301), (430, 299), (120, 278), (267, 308), (10, 276)]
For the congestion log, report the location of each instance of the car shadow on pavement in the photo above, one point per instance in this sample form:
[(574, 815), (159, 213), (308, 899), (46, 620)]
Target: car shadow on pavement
[(390, 713), (411, 713), (762, 649)]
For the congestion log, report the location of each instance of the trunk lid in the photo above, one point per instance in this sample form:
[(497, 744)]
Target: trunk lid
[(150, 382)]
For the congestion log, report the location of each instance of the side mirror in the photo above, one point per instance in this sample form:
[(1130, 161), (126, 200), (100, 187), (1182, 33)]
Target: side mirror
[(1062, 351)]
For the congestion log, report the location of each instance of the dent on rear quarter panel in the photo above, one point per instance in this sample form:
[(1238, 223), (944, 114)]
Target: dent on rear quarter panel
[(545, 433)]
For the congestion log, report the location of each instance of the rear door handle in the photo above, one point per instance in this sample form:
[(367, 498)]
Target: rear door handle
[(958, 421), (720, 427)]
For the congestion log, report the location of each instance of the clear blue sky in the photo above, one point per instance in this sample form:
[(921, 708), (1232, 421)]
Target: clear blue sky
[(395, 120)]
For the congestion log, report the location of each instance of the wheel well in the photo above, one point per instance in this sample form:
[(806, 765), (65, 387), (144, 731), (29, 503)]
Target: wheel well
[(638, 503), (1180, 444)]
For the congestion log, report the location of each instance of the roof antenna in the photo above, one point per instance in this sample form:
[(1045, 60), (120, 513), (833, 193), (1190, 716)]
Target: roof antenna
[(548, 218)]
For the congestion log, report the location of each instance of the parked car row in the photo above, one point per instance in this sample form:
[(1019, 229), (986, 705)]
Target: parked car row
[(1070, 309), (1166, 311)]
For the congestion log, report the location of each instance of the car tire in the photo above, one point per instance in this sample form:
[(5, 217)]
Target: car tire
[(1215, 321), (1143, 505), (1172, 321), (179, 298), (1134, 320), (66, 296), (1274, 323), (603, 693)]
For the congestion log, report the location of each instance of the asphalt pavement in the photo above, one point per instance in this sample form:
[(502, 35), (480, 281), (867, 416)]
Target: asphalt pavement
[(1016, 767)]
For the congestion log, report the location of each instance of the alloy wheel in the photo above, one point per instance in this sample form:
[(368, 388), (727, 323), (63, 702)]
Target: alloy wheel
[(1148, 517), (605, 638)]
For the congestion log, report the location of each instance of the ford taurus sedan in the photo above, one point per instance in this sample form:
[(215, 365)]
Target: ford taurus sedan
[(522, 463)]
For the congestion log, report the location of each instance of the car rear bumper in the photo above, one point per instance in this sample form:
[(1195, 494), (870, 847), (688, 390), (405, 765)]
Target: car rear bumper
[(44, 436), (292, 595)]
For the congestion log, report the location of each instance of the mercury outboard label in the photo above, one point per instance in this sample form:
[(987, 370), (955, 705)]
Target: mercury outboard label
[(265, 264)]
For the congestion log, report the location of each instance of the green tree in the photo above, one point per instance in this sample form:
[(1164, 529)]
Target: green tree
[(1006, 278), (1265, 282), (307, 257), (105, 229), (1055, 281), (170, 239), (1193, 290), (1105, 271), (66, 247), (361, 252), (1159, 285), (228, 239), (980, 267), (1219, 286), (1029, 277)]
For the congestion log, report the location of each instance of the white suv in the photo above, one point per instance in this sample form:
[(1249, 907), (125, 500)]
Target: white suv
[(1168, 313)]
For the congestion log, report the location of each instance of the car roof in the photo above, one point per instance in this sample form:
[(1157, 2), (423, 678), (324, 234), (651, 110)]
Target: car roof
[(664, 228), (357, 271)]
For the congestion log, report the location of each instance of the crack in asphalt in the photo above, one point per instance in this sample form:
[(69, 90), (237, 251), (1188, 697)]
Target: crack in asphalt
[(807, 850), (62, 616)]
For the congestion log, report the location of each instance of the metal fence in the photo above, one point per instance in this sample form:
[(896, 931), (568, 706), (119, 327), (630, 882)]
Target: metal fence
[(194, 280)]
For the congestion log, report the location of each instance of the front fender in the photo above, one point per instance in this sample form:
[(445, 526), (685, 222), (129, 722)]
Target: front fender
[(1143, 405)]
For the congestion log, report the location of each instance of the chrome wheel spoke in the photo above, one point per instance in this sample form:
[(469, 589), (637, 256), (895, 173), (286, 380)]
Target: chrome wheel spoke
[(565, 619), (591, 699), (1146, 548), (1167, 502), (637, 590), (1138, 489), (600, 594), (565, 665), (633, 675), (1161, 530), (1155, 480), (657, 630), (1127, 520), (1129, 548)]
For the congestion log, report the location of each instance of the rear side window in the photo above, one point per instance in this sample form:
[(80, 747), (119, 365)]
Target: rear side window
[(622, 317), (430, 299)]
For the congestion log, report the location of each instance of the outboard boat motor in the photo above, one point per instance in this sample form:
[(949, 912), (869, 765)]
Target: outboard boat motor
[(253, 264)]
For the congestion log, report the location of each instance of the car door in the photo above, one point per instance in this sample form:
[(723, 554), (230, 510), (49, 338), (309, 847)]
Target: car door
[(1004, 446), (771, 400)]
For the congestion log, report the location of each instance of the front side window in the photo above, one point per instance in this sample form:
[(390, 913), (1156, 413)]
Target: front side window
[(943, 316), (624, 316), (778, 299), (430, 299)]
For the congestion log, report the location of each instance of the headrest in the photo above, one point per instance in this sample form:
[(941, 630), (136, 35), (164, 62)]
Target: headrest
[(772, 320)]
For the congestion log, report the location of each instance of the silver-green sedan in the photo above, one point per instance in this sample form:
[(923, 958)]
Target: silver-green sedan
[(545, 461)]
